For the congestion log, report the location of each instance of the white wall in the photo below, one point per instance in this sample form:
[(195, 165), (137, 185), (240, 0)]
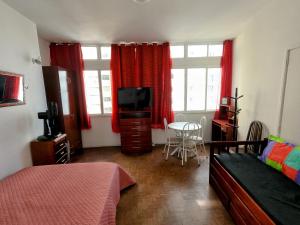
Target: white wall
[(101, 133), (259, 59), (19, 124), (45, 51)]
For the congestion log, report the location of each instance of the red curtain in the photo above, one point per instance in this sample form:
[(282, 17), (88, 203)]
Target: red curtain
[(226, 72), (145, 65), (69, 56)]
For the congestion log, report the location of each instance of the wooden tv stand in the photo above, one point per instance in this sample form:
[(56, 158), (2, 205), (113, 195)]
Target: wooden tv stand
[(135, 131)]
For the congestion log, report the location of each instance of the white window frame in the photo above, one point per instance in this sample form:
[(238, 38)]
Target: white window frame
[(98, 53), (195, 62), (99, 65)]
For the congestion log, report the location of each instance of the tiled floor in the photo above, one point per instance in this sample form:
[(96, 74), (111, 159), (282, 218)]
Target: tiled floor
[(166, 193)]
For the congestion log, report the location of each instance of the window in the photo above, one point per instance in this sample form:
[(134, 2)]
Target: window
[(197, 51), (178, 89), (196, 77), (177, 51), (213, 88), (215, 50), (106, 91), (92, 93), (89, 52), (105, 53), (196, 89)]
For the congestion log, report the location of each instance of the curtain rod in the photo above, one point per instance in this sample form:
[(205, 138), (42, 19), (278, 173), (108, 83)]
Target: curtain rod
[(63, 43), (140, 43)]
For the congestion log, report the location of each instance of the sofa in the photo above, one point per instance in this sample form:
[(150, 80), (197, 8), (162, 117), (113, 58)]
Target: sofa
[(251, 191)]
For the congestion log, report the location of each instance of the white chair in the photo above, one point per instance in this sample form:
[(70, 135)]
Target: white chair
[(191, 130), (170, 141), (180, 117), (199, 138)]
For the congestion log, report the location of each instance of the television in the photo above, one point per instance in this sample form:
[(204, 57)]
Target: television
[(135, 98)]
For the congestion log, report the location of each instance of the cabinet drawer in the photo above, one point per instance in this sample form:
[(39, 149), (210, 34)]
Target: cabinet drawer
[(136, 149), (63, 159), (134, 122), (139, 128), (61, 152), (136, 141), (60, 145)]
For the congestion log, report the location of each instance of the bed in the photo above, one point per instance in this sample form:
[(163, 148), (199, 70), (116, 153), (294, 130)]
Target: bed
[(80, 193), (252, 192)]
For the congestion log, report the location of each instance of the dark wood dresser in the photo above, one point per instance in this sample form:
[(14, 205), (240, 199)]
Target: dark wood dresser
[(50, 152), (135, 131)]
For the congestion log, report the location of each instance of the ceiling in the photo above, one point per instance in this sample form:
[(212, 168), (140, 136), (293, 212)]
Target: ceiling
[(107, 21)]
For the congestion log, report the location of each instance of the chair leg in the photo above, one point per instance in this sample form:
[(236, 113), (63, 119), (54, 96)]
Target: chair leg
[(197, 155), (163, 152), (204, 149), (182, 156), (167, 156)]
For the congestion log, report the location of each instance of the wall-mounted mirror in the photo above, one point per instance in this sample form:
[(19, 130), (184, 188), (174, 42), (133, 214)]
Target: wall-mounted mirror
[(11, 89)]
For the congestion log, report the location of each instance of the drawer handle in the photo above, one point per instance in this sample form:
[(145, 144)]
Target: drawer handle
[(61, 144)]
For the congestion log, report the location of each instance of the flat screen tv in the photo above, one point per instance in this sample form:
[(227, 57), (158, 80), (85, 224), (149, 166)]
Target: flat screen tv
[(135, 98)]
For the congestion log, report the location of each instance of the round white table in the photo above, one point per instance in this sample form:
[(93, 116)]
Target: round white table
[(181, 128)]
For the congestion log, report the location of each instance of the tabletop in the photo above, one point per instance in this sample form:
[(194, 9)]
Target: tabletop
[(180, 125)]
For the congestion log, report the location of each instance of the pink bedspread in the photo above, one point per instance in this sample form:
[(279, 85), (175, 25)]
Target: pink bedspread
[(72, 194)]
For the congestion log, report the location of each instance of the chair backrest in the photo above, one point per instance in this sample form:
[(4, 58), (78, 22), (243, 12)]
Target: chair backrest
[(190, 131), (255, 131), (254, 134), (180, 117)]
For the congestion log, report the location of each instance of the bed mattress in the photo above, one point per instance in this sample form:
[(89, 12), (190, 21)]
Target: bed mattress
[(71, 194)]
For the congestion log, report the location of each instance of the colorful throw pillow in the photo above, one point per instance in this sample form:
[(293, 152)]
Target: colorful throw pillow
[(278, 154), (276, 138), (291, 165), (282, 156)]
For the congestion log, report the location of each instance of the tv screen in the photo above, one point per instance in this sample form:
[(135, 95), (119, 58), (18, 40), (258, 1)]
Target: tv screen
[(135, 98)]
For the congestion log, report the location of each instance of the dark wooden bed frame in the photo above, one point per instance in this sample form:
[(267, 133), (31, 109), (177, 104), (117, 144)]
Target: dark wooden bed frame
[(240, 205)]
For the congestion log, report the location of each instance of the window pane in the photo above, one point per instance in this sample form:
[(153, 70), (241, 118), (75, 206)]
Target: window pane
[(178, 89), (197, 51), (196, 89), (177, 51), (92, 93), (213, 88), (89, 52), (215, 50), (105, 52), (106, 91)]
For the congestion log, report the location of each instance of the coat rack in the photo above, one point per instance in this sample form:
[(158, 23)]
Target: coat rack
[(235, 113)]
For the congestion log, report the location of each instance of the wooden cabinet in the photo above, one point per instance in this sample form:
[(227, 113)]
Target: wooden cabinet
[(50, 152), (222, 130), (135, 130), (60, 86)]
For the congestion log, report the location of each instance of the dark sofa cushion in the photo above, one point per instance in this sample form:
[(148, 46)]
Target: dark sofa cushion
[(277, 195)]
